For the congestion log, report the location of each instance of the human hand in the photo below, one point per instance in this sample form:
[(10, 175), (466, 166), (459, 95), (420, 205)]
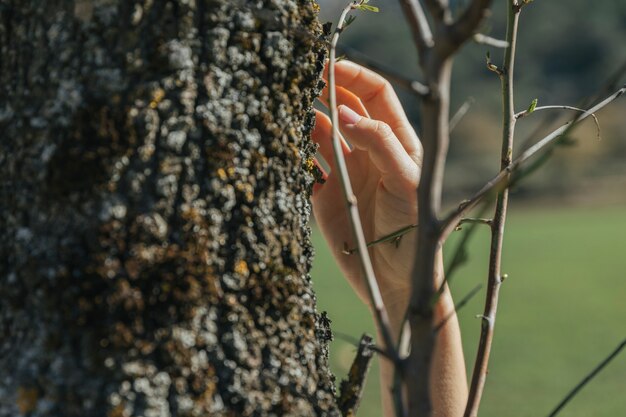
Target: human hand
[(384, 168)]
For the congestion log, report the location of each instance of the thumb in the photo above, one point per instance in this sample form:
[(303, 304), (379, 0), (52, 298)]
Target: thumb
[(385, 150)]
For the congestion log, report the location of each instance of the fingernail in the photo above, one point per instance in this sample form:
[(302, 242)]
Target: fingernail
[(349, 116)]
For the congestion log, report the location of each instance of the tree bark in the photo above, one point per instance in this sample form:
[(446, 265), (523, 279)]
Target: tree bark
[(155, 168)]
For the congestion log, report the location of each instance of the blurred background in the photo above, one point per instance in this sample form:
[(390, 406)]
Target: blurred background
[(563, 308)]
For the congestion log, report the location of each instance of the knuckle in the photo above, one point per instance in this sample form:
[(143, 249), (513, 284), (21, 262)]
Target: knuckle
[(380, 80), (384, 87), (383, 130), (357, 77), (418, 155), (408, 180)]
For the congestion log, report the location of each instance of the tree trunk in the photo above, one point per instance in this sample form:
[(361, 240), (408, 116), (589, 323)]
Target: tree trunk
[(155, 167)]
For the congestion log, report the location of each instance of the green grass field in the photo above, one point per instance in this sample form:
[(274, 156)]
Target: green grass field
[(562, 310)]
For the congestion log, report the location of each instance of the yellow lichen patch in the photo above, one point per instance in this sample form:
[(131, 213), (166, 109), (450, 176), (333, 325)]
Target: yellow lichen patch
[(214, 286), (246, 189), (117, 411), (222, 174), (191, 213), (209, 390), (241, 267), (27, 398), (295, 150), (309, 165), (157, 97)]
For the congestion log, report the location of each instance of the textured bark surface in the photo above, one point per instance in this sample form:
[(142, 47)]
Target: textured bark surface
[(155, 166)]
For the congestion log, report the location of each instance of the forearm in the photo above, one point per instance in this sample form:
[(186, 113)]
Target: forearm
[(448, 383), (448, 380)]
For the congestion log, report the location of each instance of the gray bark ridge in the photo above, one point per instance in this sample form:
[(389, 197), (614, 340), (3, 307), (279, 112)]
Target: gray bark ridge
[(155, 169)]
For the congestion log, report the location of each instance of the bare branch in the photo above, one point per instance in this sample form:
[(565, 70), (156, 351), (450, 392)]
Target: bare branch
[(439, 9), (474, 220), (437, 69), (489, 41), (567, 127), (392, 238), (422, 35), (520, 4), (460, 255), (376, 299), (380, 312), (611, 84), (501, 180), (588, 378), (351, 389), (493, 67), (526, 113), (355, 342), (435, 139), (494, 279), (461, 112), (467, 25)]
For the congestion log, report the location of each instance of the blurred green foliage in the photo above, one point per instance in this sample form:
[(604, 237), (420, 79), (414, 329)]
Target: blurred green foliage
[(561, 312), (566, 52)]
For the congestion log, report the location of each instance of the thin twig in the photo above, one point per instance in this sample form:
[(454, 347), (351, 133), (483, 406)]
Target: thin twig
[(460, 256), (461, 113), (380, 312), (439, 9), (462, 303), (422, 35), (493, 67), (353, 212), (612, 82), (465, 27), (526, 113), (355, 342), (587, 379), (474, 220), (392, 237), (501, 180), (494, 279), (489, 41)]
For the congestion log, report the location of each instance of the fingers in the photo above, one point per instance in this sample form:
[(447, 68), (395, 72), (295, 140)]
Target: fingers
[(346, 98), (380, 100), (322, 135), (399, 172)]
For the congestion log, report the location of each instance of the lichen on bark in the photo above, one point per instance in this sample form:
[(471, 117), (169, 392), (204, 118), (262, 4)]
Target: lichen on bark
[(154, 188)]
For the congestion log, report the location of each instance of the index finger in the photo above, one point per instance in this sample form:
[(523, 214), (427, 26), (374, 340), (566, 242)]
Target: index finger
[(380, 100)]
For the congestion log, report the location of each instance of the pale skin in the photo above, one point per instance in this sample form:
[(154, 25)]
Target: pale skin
[(384, 165)]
